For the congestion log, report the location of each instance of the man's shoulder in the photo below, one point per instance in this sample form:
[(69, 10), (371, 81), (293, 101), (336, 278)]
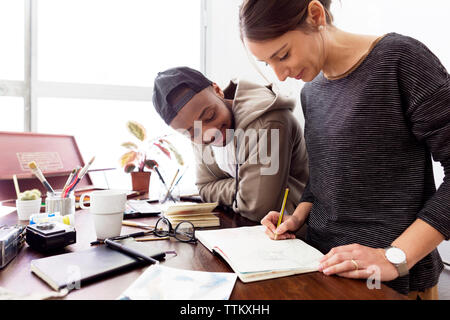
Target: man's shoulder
[(282, 119)]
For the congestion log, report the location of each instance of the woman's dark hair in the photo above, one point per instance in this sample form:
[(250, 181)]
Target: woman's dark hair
[(261, 20)]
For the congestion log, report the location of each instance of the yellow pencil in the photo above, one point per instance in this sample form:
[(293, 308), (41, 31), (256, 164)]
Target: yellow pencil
[(151, 239), (282, 210), (16, 186)]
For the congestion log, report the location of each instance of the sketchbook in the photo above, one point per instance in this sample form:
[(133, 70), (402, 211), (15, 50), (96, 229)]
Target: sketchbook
[(253, 256), (199, 214), (81, 267)]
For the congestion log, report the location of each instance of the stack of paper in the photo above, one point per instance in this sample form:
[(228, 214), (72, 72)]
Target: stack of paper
[(199, 214), (254, 256)]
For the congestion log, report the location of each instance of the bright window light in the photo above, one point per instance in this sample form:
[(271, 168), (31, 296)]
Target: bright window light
[(121, 42), (11, 109), (12, 37)]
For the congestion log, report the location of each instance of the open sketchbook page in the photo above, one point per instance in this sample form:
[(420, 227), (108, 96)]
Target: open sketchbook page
[(165, 283), (250, 250)]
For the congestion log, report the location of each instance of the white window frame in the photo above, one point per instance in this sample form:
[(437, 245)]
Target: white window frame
[(31, 89)]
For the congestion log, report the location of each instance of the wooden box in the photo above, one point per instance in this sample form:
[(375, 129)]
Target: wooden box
[(56, 156)]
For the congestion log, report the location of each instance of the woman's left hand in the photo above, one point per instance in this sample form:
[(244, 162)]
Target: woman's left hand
[(357, 262)]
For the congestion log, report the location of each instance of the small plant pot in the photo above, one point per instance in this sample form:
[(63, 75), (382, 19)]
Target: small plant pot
[(26, 208), (140, 181)]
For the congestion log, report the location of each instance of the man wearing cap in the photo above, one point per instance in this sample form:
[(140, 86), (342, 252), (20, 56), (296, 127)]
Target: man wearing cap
[(248, 145)]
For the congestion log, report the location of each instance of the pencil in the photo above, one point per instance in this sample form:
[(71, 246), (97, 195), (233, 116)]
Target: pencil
[(130, 235), (16, 185), (150, 238), (131, 252), (282, 210), (137, 224), (171, 184)]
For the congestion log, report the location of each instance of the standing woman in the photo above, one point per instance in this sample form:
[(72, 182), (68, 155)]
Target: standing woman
[(376, 109)]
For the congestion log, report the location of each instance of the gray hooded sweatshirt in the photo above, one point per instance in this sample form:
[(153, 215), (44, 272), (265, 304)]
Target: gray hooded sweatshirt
[(264, 169)]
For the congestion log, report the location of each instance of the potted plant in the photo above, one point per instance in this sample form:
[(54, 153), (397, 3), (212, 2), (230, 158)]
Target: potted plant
[(137, 160), (28, 203)]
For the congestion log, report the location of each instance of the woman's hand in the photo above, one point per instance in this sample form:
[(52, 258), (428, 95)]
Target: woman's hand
[(286, 230), (357, 262)]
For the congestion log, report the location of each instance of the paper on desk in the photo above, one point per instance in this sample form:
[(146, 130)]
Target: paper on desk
[(250, 250), (6, 294), (165, 283), (4, 210)]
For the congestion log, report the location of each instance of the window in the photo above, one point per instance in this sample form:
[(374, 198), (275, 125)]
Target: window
[(11, 114), (115, 42), (87, 67), (12, 65), (12, 35)]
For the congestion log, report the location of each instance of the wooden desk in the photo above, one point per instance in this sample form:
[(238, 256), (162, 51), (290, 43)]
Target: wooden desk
[(17, 275)]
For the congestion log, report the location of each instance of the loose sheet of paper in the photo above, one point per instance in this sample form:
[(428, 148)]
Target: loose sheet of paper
[(165, 283), (4, 210)]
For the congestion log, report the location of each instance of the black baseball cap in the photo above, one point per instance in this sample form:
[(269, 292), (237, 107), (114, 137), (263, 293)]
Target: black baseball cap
[(185, 81)]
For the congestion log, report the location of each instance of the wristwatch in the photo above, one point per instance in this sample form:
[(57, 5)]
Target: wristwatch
[(397, 257)]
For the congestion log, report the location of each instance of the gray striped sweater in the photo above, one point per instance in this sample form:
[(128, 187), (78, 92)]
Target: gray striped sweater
[(371, 137)]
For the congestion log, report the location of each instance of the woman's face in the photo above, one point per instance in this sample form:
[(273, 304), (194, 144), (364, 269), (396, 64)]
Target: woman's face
[(295, 54)]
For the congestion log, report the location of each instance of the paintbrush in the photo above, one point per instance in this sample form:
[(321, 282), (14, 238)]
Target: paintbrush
[(164, 183), (80, 176), (86, 168), (69, 179), (38, 173)]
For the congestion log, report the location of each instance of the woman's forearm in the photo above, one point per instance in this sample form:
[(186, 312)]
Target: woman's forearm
[(302, 211), (417, 241)]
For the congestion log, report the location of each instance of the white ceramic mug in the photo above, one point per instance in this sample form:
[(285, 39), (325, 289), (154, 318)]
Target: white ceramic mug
[(107, 208)]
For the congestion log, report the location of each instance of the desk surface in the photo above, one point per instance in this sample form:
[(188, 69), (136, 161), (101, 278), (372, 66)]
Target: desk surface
[(16, 276)]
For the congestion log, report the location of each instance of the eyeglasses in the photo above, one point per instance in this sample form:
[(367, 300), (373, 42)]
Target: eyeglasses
[(184, 231)]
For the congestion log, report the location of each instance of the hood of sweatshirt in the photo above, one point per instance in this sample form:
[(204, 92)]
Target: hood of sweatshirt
[(251, 101)]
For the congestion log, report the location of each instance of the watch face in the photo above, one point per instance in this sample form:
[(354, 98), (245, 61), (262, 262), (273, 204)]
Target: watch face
[(395, 255)]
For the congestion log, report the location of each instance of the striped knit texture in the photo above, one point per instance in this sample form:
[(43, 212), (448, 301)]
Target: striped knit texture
[(370, 138)]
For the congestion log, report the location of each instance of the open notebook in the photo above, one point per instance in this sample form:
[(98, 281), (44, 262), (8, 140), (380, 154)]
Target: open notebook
[(253, 256)]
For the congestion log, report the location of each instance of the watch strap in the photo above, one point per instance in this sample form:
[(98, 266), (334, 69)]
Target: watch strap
[(402, 268)]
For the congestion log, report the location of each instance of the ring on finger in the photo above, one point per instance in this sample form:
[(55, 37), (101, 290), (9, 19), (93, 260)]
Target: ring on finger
[(355, 264)]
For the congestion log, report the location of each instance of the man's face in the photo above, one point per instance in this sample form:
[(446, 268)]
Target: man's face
[(205, 117)]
